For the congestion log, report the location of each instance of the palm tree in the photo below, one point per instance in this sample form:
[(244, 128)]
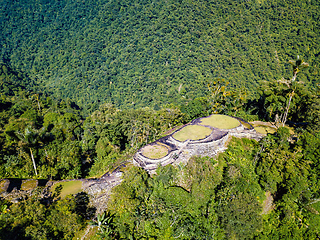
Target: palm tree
[(297, 66), (104, 224), (29, 138)]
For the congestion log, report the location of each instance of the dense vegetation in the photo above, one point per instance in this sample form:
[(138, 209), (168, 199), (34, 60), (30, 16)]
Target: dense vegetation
[(84, 84), (149, 53), (55, 135), (38, 218), (226, 198), (253, 190)]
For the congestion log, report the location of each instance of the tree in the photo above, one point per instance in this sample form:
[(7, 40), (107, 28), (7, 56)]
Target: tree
[(104, 224), (224, 99), (297, 66), (29, 138)]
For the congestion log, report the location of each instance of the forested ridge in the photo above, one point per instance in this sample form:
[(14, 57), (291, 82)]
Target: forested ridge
[(255, 190), (150, 53), (85, 84)]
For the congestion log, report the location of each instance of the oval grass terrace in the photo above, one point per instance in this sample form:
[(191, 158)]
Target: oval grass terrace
[(207, 132), (220, 121), (155, 151), (192, 132)]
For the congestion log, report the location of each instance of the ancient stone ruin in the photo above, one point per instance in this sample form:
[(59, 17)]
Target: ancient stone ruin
[(182, 151)]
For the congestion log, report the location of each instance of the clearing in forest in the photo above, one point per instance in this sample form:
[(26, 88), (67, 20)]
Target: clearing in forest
[(192, 132), (220, 121), (70, 187), (154, 151)]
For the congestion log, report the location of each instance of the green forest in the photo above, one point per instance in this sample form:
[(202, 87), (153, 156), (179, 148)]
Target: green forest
[(150, 53), (86, 84)]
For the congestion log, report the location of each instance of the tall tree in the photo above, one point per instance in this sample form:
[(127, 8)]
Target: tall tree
[(297, 66), (29, 138)]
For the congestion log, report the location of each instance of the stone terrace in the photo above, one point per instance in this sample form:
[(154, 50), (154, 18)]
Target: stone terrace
[(183, 151)]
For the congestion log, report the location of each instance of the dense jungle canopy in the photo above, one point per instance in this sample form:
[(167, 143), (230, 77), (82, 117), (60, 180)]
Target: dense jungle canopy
[(85, 84), (149, 53)]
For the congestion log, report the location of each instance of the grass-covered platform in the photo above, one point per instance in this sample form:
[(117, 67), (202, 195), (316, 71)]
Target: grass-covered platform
[(220, 121), (29, 184), (155, 151), (192, 132), (265, 129), (206, 136), (69, 187)]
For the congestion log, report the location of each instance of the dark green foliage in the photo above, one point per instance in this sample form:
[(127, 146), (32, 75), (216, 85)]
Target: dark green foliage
[(150, 53), (273, 102), (191, 201), (141, 53), (38, 134), (11, 82), (31, 219), (157, 207), (105, 225), (34, 128), (280, 163), (237, 203), (196, 108), (240, 216), (82, 206), (225, 197)]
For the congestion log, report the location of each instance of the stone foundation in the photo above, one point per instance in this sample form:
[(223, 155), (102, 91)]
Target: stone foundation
[(181, 152)]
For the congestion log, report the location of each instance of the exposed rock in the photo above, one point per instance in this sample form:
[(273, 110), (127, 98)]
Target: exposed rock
[(100, 189)]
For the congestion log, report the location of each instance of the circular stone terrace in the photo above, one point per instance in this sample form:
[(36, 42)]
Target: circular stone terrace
[(204, 130)]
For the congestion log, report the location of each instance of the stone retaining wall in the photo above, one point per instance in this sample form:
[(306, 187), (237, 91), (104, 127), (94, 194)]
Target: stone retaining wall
[(183, 151)]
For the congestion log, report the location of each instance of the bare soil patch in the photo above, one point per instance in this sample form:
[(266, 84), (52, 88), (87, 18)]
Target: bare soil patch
[(268, 203)]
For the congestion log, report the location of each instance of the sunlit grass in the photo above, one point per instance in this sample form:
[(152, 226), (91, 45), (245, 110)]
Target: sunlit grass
[(192, 132), (70, 187), (220, 121), (265, 129), (155, 151)]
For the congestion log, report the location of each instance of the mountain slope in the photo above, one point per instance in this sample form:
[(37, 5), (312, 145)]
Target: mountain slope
[(146, 53)]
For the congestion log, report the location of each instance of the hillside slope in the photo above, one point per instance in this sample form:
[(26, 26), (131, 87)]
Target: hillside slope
[(149, 53)]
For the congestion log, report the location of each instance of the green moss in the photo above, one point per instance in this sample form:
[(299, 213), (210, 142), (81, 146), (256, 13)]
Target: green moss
[(192, 132)]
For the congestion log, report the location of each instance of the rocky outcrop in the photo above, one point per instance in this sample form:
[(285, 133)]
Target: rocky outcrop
[(100, 189)]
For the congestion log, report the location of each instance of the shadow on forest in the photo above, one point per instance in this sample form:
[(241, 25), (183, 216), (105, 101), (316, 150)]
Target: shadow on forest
[(15, 183)]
